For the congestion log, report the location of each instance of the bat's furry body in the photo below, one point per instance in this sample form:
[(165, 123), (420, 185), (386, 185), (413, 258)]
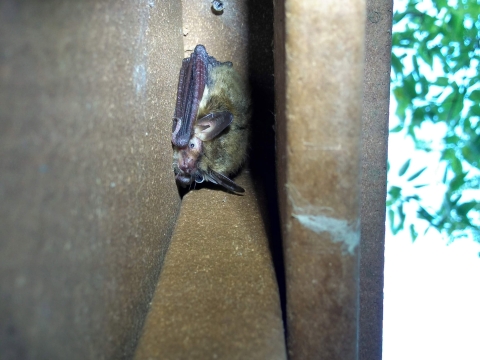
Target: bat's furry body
[(225, 99), (226, 153)]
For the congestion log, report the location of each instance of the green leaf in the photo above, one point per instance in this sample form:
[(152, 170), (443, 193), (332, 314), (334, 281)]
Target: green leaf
[(424, 214), (391, 219), (470, 154), (416, 68), (464, 208), (452, 105), (445, 35), (456, 107), (452, 139), (404, 168), (467, 126), (452, 161), (426, 55), (475, 110), (397, 17), (395, 192), (409, 86), (396, 129), (440, 4), (418, 116), (442, 81), (457, 182), (401, 215), (425, 85), (454, 200), (402, 102), (412, 197), (401, 110), (397, 65), (413, 233), (475, 96), (445, 174), (417, 174), (456, 166)]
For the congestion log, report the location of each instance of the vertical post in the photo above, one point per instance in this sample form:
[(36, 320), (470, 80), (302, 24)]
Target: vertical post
[(319, 78), (378, 40)]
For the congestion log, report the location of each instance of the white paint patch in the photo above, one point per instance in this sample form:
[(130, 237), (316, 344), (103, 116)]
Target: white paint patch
[(315, 218), (339, 230)]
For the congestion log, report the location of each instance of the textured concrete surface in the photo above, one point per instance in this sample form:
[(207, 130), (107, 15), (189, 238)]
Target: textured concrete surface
[(319, 75), (87, 196), (217, 296), (376, 89)]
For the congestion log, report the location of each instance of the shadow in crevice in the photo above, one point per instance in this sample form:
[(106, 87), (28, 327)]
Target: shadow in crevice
[(262, 155)]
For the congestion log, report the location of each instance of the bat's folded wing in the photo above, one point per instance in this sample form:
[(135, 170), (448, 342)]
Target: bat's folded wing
[(224, 181)]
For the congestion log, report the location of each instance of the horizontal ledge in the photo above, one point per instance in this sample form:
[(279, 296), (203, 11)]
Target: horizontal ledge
[(217, 294)]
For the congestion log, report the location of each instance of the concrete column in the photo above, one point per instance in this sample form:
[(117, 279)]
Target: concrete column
[(376, 87)]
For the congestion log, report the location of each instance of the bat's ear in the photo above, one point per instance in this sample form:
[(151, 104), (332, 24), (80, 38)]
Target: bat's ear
[(209, 126)]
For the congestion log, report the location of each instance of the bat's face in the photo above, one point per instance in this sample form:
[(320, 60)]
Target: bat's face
[(187, 159), (186, 162)]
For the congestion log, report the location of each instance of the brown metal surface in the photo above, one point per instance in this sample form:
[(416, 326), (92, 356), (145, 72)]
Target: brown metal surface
[(87, 196), (319, 93)]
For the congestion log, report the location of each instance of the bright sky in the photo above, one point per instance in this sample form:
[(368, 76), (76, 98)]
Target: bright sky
[(431, 299), (432, 290)]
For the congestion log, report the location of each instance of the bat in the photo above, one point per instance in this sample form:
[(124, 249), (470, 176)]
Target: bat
[(211, 124)]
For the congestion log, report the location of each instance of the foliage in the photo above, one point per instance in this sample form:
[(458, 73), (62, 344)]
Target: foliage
[(435, 78)]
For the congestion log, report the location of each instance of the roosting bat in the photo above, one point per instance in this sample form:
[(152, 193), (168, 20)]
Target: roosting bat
[(211, 124)]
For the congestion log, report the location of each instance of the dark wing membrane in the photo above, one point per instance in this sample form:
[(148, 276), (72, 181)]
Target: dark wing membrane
[(182, 79), (182, 82), (224, 181), (182, 98), (191, 84)]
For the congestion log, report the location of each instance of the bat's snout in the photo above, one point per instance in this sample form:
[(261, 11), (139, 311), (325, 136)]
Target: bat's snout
[(183, 179), (187, 164)]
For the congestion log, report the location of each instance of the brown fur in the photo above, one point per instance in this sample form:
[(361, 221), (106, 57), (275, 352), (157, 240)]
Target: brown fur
[(227, 152)]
